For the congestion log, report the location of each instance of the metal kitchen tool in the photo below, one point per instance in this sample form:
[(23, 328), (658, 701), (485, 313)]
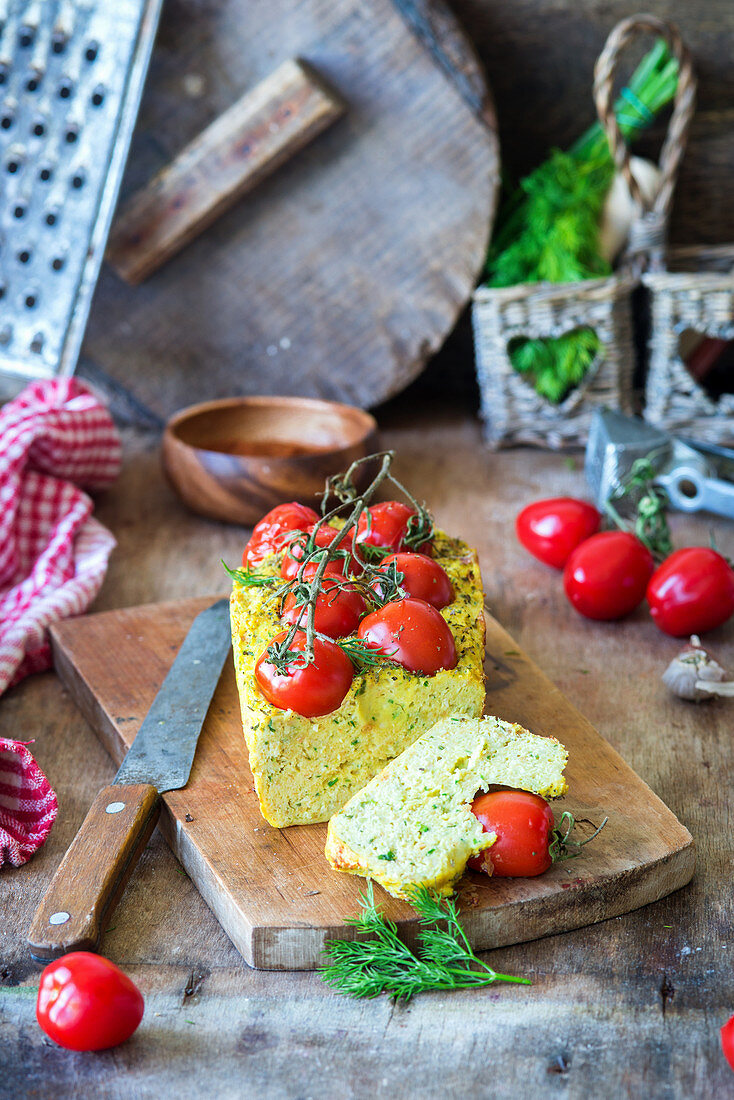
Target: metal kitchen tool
[(687, 474), (92, 875), (71, 76)]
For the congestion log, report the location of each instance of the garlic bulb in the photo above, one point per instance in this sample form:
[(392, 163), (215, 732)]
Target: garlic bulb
[(694, 675), (620, 210)]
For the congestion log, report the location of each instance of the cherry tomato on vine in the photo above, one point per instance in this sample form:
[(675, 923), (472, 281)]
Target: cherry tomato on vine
[(269, 534), (386, 525), (607, 574), (322, 538), (412, 633), (524, 826), (312, 690), (423, 578), (727, 1041), (338, 609), (85, 1002), (691, 592), (552, 529)]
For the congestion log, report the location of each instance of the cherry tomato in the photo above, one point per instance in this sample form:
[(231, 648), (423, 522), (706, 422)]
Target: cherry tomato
[(423, 578), (322, 538), (312, 690), (607, 574), (727, 1041), (386, 525), (524, 826), (412, 633), (338, 609), (85, 1002), (269, 535), (691, 592), (551, 529)]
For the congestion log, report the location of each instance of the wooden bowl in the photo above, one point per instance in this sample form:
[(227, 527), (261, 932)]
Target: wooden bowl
[(235, 459)]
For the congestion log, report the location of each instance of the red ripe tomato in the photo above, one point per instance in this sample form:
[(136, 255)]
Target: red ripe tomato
[(412, 633), (727, 1041), (423, 578), (312, 690), (85, 1002), (551, 529), (386, 525), (524, 826), (607, 574), (691, 592), (323, 537), (270, 534), (338, 609)]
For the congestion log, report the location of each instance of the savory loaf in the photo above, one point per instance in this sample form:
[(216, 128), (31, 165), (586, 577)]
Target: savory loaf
[(412, 825), (306, 769)]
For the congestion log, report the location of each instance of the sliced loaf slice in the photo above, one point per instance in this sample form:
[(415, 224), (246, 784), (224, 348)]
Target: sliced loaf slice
[(412, 825)]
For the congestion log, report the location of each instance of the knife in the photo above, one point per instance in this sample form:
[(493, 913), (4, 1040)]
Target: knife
[(88, 884)]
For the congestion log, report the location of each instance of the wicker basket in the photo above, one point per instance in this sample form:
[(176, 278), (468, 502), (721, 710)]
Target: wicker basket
[(511, 409), (697, 292)]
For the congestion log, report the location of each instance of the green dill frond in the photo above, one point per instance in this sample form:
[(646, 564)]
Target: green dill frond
[(384, 964)]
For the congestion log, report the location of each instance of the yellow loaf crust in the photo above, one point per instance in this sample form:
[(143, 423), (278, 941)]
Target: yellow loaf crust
[(306, 769), (412, 825)]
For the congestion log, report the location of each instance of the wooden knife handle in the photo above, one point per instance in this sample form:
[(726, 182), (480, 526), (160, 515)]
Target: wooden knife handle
[(83, 893)]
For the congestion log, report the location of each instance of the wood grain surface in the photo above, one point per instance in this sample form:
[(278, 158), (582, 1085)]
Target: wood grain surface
[(258, 133), (626, 1008), (345, 270), (237, 458), (272, 889)]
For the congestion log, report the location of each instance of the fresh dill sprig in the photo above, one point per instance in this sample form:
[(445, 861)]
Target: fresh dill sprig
[(384, 964), (363, 656), (246, 578), (650, 502)]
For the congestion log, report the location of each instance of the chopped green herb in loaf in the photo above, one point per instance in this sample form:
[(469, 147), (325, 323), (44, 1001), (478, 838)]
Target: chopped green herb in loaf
[(306, 769), (412, 825)]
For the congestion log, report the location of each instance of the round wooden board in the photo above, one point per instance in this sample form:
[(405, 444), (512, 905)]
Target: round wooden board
[(342, 273)]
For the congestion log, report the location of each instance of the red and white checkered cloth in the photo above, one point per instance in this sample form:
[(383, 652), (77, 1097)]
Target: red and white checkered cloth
[(27, 804), (54, 437)]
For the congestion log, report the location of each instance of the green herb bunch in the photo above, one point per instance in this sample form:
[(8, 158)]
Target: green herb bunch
[(384, 964), (548, 227)]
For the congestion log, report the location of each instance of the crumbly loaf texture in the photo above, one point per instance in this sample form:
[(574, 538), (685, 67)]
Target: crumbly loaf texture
[(413, 826), (306, 769)]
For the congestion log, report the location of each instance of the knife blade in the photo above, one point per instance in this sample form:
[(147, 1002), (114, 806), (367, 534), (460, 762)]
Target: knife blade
[(82, 895)]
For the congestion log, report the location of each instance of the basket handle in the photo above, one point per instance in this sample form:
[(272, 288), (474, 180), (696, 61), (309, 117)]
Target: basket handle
[(674, 145)]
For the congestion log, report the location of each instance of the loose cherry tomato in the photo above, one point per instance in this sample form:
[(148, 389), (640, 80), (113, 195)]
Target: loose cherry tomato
[(338, 609), (322, 537), (412, 633), (607, 574), (387, 525), (423, 578), (312, 690), (691, 592), (85, 1002), (727, 1041), (551, 529), (523, 823), (269, 535)]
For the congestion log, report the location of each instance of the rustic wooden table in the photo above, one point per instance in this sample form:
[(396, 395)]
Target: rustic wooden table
[(629, 1007)]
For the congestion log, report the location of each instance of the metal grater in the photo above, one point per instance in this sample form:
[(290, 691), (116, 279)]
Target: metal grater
[(71, 76)]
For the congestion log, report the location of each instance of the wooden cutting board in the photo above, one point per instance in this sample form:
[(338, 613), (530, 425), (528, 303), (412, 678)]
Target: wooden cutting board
[(272, 889)]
